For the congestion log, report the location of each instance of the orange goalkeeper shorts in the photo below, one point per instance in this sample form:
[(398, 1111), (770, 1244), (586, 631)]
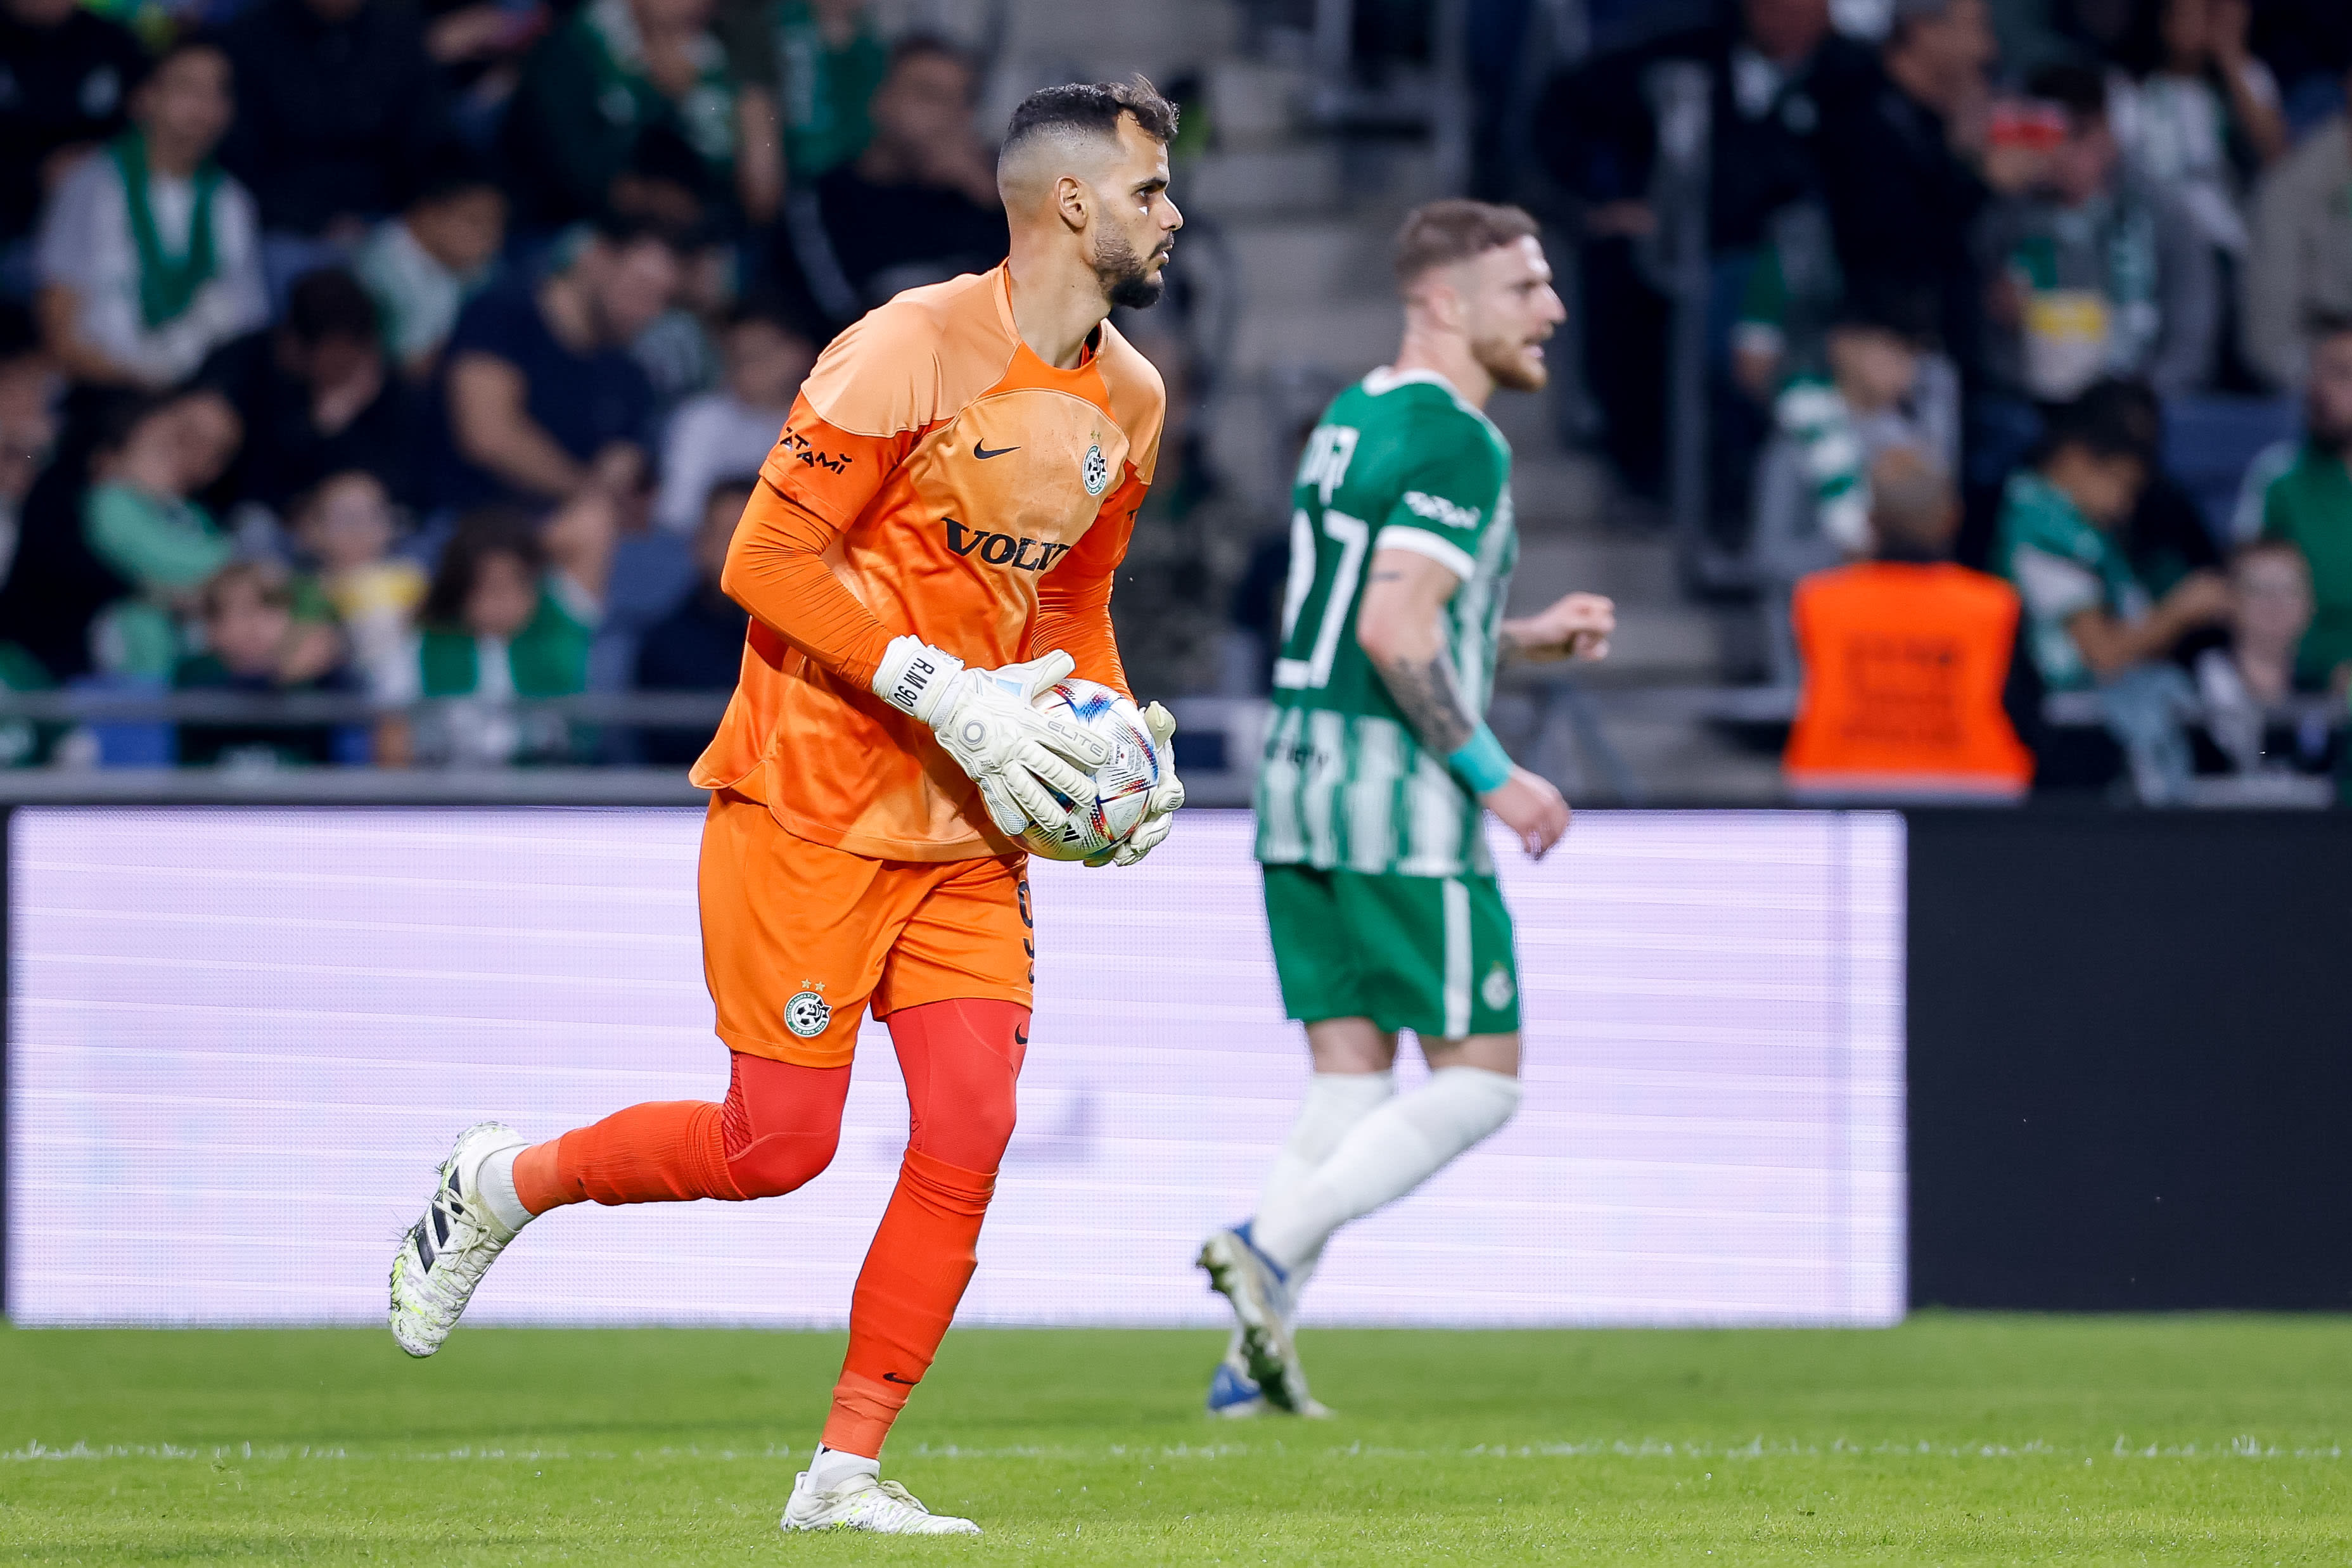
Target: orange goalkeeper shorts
[(799, 937)]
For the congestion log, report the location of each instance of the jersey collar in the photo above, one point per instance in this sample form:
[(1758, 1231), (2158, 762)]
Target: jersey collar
[(1388, 377)]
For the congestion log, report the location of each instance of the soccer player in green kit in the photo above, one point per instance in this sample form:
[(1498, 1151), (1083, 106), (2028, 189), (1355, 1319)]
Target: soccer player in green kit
[(1380, 768)]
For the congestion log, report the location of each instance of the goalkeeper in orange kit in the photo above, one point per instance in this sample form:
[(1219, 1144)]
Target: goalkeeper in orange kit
[(930, 547)]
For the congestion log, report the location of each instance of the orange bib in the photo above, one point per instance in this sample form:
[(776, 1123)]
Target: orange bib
[(1905, 666)]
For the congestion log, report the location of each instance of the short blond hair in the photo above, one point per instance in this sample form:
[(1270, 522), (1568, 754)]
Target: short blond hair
[(1439, 234)]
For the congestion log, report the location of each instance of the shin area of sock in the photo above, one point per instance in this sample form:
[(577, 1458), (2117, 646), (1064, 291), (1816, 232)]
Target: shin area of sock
[(915, 1273), (666, 1151)]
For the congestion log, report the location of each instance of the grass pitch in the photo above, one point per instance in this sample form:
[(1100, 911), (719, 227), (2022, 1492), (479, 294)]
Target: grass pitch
[(1951, 1440)]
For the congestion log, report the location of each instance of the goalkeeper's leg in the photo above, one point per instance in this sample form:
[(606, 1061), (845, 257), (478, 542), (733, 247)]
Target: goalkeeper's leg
[(776, 1129), (962, 1060)]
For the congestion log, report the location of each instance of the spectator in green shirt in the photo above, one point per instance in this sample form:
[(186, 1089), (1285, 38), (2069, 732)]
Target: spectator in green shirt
[(603, 79), (140, 521), (805, 70), (23, 743), (2090, 623), (256, 643), (510, 614), (2310, 506), (2089, 617)]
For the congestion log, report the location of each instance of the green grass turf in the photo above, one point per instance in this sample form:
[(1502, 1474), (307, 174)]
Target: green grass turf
[(1951, 1440)]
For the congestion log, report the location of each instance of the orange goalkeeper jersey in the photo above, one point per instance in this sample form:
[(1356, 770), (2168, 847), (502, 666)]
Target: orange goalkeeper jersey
[(936, 477)]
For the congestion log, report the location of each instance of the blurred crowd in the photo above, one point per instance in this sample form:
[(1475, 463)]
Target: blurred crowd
[(2084, 269), (429, 351), (426, 349)]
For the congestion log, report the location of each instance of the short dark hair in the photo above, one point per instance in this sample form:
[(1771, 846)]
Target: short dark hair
[(1909, 16), (1093, 107), (1880, 305), (2081, 91), (122, 414), (2320, 323), (733, 485), (482, 533), (330, 303), (934, 45), (1439, 234), (267, 578), (453, 169), (626, 230), (200, 41), (762, 307), (19, 336), (2114, 418)]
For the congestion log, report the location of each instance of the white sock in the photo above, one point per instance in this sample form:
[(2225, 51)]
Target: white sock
[(495, 1180), (831, 1468), (1385, 1155), (1334, 1104)]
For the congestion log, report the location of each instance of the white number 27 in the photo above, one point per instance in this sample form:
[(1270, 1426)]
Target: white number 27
[(1352, 535)]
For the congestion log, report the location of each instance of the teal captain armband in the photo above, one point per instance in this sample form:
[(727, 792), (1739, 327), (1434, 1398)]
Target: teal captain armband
[(1481, 762)]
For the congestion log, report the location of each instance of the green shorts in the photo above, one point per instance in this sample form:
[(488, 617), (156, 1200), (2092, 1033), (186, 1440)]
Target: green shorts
[(1431, 953)]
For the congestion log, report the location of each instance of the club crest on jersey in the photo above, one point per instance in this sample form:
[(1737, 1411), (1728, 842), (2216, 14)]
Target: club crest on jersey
[(1496, 990), (1095, 471), (808, 1015)]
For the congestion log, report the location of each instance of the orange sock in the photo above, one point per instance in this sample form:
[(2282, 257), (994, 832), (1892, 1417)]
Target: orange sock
[(777, 1130), (961, 1061), (666, 1150), (915, 1273)]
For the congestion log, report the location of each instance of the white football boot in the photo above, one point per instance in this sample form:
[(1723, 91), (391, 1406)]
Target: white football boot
[(1235, 1396), (868, 1504), (445, 1255), (1260, 1294)]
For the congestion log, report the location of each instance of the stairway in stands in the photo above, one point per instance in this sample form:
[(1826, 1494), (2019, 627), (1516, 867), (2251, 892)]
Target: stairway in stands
[(1299, 222)]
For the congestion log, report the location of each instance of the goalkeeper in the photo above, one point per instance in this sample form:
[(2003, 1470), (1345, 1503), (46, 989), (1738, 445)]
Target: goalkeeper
[(930, 547), (1379, 770)]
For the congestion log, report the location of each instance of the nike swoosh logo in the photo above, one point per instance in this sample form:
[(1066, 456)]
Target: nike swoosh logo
[(893, 1377), (981, 451), (1020, 1036)]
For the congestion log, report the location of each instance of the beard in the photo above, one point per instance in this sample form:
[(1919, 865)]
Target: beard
[(1126, 278), (1507, 361)]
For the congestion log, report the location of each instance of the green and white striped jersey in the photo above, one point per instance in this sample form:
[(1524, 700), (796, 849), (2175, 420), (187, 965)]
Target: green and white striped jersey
[(1400, 462)]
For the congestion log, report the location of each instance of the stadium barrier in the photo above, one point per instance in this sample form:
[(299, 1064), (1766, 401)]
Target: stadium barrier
[(2123, 1081), (1562, 714), (2129, 1073), (237, 1038)]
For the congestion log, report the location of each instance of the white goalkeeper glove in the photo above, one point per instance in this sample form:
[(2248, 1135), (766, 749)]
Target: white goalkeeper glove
[(1159, 807), (988, 721)]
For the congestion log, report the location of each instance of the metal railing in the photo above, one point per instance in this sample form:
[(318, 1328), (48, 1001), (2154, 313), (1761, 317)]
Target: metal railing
[(1566, 733)]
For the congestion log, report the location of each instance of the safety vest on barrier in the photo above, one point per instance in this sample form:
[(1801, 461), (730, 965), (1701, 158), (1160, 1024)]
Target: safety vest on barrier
[(1905, 665)]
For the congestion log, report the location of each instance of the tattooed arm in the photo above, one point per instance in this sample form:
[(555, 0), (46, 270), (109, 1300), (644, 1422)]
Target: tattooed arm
[(1400, 629)]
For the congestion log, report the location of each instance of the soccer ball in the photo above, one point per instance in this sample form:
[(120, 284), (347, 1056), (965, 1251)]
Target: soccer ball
[(1123, 785)]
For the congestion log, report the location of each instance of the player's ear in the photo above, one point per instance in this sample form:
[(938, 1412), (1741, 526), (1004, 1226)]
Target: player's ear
[(1073, 201), (1439, 295)]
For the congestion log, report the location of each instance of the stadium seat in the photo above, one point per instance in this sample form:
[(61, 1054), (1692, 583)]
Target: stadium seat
[(652, 573), (131, 743), (2209, 440)]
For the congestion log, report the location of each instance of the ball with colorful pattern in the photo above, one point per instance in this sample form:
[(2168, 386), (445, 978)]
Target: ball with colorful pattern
[(1123, 786)]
